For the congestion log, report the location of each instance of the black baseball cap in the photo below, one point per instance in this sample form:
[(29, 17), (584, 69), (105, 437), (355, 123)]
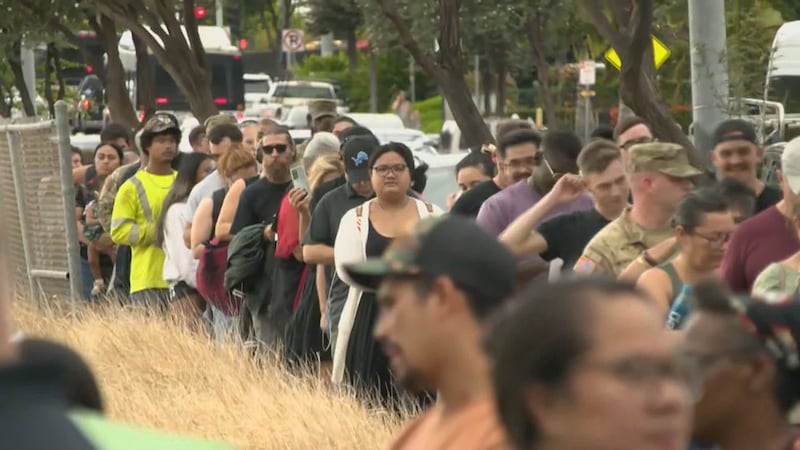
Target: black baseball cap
[(451, 246), (735, 130), (356, 153)]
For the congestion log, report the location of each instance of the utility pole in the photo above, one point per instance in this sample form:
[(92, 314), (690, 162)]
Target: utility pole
[(29, 70), (218, 7), (710, 93)]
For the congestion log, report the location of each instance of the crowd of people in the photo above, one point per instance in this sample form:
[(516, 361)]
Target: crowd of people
[(603, 294)]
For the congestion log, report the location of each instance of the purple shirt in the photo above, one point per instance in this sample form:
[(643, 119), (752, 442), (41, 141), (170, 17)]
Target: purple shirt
[(502, 208)]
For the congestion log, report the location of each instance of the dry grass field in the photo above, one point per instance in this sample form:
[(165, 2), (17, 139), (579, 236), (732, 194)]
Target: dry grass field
[(154, 372)]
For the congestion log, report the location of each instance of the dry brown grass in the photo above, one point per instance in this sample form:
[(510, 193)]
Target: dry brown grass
[(154, 372)]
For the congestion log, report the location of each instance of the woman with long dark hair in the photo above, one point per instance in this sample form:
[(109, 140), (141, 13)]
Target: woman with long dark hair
[(179, 265)]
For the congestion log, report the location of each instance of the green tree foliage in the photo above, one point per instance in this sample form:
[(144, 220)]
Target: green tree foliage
[(392, 67)]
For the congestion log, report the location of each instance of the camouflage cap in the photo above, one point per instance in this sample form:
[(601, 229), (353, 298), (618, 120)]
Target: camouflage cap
[(217, 120), (321, 108), (667, 158), (435, 247)]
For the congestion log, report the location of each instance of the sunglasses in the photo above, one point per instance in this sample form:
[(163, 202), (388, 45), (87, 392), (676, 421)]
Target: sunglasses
[(268, 149)]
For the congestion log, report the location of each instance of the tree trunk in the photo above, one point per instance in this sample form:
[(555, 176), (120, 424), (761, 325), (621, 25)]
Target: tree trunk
[(144, 83), (15, 62), (487, 86), (59, 74), (352, 49), (48, 75), (500, 97), (118, 98), (447, 68), (5, 108), (542, 70)]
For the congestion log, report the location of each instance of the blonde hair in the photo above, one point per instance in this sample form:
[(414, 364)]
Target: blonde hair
[(234, 160), (322, 167)]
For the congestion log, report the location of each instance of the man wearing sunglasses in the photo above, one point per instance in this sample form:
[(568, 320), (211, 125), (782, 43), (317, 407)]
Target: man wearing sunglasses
[(630, 131), (557, 157), (260, 201)]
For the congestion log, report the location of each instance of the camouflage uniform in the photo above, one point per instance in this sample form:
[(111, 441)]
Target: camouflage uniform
[(105, 202), (623, 240)]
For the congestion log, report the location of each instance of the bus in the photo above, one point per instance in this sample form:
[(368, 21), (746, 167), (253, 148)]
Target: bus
[(225, 67)]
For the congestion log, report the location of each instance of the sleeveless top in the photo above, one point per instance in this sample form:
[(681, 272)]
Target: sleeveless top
[(677, 283), (216, 203)]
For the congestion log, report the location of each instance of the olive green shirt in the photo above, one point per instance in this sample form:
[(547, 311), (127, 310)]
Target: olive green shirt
[(105, 202), (617, 245), (777, 279)]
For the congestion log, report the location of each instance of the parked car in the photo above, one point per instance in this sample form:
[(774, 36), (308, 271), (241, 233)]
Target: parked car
[(90, 113), (291, 93), (256, 90)]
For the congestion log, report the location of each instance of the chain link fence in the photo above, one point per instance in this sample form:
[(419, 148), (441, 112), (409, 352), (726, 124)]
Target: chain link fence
[(37, 198)]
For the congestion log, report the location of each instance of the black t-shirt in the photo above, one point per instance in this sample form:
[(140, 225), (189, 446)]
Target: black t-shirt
[(768, 197), (259, 203), (323, 189), (471, 201), (568, 234)]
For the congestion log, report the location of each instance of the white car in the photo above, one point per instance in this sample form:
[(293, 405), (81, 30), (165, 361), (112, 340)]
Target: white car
[(256, 89), (416, 140), (378, 121), (292, 93)]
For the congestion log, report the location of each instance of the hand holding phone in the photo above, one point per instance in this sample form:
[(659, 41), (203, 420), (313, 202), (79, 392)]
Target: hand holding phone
[(299, 178)]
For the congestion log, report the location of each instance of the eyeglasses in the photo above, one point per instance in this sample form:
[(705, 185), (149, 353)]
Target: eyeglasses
[(642, 372), (555, 175), (717, 240), (268, 149), (528, 162), (642, 140), (394, 169)]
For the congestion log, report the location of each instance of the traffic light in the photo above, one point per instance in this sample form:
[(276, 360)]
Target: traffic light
[(200, 13), (234, 20)]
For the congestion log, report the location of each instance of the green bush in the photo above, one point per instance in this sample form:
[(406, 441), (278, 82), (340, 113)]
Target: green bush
[(430, 114)]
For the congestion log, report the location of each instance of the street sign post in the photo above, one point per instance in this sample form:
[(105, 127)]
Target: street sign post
[(661, 54), (587, 73), (293, 41)]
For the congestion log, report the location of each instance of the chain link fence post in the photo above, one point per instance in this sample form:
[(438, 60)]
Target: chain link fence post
[(68, 195)]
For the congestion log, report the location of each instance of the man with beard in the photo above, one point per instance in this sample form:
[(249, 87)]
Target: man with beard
[(261, 200), (534, 173), (431, 321), (736, 155)]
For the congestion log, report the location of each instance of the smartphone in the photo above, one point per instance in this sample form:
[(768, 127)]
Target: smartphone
[(299, 178)]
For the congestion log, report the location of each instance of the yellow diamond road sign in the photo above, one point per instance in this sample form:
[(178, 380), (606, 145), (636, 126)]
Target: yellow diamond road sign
[(660, 55)]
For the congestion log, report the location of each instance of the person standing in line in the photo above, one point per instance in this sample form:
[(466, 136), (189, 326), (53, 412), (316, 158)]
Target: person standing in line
[(586, 363), (703, 226), (557, 157), (326, 217), (471, 171), (365, 231), (736, 154), (565, 236), (660, 176), (432, 310), (631, 130), (746, 350), (137, 207), (513, 162), (179, 264), (768, 236)]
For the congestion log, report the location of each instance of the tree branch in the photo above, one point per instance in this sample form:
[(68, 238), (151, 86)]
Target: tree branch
[(593, 11), (640, 38), (407, 39)]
